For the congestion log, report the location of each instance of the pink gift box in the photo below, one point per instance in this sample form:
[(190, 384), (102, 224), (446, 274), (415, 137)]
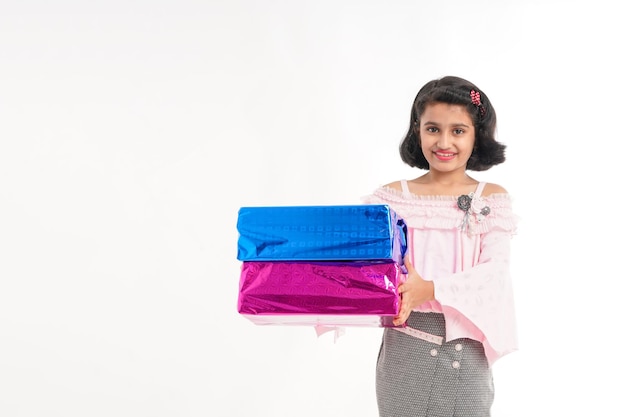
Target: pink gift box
[(322, 293)]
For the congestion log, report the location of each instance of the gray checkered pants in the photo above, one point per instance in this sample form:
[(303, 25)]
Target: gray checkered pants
[(416, 378)]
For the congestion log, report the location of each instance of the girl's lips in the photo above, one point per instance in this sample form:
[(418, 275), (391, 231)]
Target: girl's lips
[(444, 156)]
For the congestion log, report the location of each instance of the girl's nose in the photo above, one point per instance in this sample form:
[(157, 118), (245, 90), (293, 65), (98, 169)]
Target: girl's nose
[(444, 140)]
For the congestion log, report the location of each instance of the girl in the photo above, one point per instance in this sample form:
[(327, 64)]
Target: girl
[(457, 314)]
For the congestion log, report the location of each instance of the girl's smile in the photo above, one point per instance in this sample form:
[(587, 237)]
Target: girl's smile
[(444, 156)]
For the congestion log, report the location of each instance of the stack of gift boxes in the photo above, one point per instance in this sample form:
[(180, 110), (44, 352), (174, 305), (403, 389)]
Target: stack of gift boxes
[(320, 265)]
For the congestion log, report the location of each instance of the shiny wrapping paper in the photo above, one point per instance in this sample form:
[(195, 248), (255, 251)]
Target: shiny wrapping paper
[(321, 233), (320, 293)]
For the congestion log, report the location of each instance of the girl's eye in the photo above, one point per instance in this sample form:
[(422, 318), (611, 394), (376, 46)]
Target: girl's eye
[(432, 129), (459, 131)]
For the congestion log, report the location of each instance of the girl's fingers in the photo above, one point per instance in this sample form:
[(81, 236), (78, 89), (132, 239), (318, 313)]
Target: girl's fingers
[(401, 318)]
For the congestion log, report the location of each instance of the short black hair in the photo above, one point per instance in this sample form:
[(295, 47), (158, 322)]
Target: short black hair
[(455, 90)]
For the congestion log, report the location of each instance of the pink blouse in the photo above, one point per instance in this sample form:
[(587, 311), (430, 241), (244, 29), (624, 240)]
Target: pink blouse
[(467, 256)]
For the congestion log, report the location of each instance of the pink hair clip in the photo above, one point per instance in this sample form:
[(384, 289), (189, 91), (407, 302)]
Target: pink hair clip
[(475, 96)]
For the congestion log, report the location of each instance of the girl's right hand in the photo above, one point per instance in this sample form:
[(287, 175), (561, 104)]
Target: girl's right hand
[(414, 292)]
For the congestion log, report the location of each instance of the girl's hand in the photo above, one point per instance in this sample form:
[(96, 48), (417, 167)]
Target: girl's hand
[(414, 292)]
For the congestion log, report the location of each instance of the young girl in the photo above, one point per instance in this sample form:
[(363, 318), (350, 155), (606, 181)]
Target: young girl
[(457, 314)]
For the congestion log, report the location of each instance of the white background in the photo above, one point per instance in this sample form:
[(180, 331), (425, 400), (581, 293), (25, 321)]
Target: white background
[(132, 131)]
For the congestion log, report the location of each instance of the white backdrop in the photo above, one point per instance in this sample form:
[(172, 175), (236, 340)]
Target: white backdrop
[(132, 131)]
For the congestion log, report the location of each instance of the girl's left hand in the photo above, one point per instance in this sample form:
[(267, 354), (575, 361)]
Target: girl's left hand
[(414, 292)]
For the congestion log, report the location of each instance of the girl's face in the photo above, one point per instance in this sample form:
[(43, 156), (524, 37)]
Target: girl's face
[(447, 136)]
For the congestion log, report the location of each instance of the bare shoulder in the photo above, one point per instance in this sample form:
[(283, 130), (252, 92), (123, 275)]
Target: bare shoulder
[(396, 185), (491, 188)]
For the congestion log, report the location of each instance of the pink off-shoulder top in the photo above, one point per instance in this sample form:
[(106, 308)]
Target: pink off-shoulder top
[(466, 254)]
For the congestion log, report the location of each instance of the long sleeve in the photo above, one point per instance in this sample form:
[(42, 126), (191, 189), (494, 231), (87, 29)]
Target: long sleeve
[(478, 302)]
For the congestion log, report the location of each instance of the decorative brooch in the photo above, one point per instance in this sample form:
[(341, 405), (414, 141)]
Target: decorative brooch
[(469, 204)]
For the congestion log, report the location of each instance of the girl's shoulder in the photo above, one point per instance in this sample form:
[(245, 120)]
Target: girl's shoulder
[(491, 188), (395, 185)]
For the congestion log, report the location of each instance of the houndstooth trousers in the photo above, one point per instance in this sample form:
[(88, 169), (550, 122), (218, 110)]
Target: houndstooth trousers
[(417, 378)]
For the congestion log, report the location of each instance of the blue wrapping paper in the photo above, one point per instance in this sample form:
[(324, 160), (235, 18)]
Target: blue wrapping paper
[(367, 232)]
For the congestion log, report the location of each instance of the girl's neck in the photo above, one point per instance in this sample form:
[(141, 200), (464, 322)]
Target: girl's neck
[(443, 183), (446, 178)]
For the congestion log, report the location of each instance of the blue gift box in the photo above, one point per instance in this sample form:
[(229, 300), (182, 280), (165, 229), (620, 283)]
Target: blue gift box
[(366, 232)]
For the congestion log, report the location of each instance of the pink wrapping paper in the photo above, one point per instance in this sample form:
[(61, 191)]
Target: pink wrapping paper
[(323, 293)]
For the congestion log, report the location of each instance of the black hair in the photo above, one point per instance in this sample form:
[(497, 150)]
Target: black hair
[(454, 90)]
